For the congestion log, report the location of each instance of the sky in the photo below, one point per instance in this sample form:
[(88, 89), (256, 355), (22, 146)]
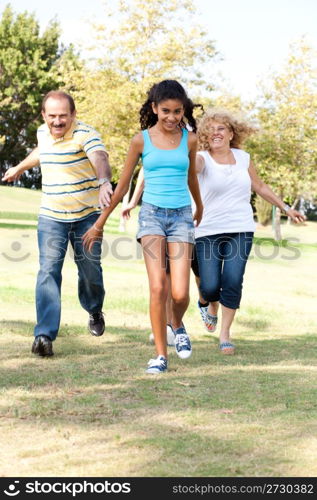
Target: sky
[(252, 36)]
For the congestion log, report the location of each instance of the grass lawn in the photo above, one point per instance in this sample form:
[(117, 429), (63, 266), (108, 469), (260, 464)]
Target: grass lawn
[(92, 411)]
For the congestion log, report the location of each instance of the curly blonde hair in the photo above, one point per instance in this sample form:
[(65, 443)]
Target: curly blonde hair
[(240, 128)]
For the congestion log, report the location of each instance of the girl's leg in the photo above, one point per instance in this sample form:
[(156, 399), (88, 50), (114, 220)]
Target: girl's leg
[(180, 260), (170, 337), (169, 300), (154, 257)]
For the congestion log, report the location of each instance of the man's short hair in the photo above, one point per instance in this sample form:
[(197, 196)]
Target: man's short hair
[(59, 94)]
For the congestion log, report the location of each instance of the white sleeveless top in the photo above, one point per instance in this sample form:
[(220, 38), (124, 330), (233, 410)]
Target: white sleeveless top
[(225, 192)]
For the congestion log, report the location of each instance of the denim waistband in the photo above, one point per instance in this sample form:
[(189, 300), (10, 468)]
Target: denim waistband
[(157, 209)]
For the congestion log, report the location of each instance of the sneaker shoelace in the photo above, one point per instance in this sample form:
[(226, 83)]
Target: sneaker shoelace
[(182, 339), (156, 362)]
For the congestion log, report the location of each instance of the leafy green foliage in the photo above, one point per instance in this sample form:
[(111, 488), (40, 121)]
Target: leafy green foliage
[(263, 210), (30, 66), (285, 150)]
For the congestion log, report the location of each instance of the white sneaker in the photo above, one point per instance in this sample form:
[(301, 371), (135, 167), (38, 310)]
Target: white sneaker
[(156, 366), (170, 337), (183, 346)]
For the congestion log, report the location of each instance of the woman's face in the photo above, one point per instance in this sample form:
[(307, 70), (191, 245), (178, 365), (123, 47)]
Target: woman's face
[(219, 135), (169, 113)]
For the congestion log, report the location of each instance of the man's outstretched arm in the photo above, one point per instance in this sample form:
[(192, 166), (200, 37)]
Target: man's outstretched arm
[(14, 173)]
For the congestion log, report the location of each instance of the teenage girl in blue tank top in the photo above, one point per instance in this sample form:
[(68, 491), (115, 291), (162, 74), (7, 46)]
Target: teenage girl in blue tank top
[(166, 223)]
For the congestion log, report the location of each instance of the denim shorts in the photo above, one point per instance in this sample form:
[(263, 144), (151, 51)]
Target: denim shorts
[(176, 224)]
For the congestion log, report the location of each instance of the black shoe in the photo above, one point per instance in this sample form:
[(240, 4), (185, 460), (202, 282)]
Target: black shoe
[(96, 324), (42, 346)]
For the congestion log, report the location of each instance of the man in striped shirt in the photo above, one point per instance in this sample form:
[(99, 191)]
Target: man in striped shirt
[(75, 184)]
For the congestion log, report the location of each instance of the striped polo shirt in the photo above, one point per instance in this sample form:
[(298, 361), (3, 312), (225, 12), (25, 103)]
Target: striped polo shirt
[(69, 182)]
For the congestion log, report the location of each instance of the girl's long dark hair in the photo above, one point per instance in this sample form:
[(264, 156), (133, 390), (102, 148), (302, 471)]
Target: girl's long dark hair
[(167, 89)]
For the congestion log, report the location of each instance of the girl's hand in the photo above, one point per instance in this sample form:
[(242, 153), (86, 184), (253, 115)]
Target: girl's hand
[(91, 236), (198, 215)]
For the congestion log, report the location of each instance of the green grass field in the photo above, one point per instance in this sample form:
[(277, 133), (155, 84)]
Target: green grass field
[(91, 410)]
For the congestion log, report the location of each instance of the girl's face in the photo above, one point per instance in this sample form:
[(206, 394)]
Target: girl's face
[(219, 135), (169, 113)]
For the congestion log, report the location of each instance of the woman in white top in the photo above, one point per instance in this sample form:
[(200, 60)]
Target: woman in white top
[(226, 178)]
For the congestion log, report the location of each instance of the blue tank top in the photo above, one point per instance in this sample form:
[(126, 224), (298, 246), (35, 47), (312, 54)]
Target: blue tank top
[(166, 173)]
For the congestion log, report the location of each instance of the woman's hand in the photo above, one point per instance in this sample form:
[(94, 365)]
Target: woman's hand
[(296, 216), (91, 236), (125, 212)]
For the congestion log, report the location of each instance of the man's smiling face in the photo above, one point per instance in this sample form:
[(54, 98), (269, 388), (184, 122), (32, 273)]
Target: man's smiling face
[(58, 116)]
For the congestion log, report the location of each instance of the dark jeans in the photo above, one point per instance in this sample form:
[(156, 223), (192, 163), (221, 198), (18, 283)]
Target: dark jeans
[(53, 238), (222, 259)]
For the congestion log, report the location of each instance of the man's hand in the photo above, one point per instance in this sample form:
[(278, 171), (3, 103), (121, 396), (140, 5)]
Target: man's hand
[(100, 162), (105, 192), (12, 174)]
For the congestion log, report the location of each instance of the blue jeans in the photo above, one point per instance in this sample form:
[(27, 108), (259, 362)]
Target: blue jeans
[(53, 238), (222, 259)]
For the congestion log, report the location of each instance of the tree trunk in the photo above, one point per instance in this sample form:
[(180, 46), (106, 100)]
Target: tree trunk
[(289, 220), (277, 224)]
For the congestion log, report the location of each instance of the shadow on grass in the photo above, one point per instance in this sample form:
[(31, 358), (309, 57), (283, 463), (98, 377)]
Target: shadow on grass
[(25, 329), (254, 323), (283, 348), (90, 378), (100, 384), (9, 225), (121, 354)]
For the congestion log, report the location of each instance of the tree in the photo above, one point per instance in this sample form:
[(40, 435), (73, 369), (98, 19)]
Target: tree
[(285, 150), (29, 68)]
